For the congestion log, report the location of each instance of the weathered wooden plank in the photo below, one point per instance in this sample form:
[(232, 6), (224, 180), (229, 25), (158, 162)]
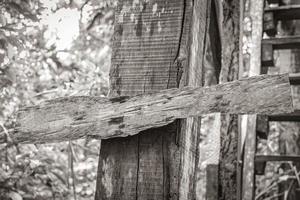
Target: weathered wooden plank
[(75, 117), (286, 12), (146, 47), (208, 148), (249, 127), (189, 136)]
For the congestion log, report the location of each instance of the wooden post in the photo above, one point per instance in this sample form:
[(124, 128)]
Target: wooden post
[(151, 53), (249, 122)]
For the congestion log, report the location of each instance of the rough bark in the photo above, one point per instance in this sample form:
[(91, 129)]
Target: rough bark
[(229, 123), (75, 117)]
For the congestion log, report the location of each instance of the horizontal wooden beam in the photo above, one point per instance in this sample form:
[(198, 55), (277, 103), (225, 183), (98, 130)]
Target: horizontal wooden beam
[(75, 117), (290, 117), (294, 78), (273, 1), (274, 158), (287, 12), (261, 160), (287, 42)]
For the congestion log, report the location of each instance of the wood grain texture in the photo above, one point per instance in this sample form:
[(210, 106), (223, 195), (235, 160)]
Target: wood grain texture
[(75, 117), (250, 127), (208, 154), (148, 56), (189, 136)]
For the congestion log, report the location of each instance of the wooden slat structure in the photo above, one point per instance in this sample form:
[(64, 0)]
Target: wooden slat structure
[(286, 12)]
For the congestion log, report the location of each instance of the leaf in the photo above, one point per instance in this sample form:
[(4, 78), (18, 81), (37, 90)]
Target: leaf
[(15, 196)]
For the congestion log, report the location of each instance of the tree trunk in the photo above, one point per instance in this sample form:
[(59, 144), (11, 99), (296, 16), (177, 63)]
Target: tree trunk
[(229, 131)]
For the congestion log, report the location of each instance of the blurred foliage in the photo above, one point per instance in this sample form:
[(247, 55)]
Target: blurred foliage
[(51, 49)]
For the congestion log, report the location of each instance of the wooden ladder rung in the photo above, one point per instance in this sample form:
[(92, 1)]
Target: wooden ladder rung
[(288, 42), (274, 158), (273, 1), (271, 44), (294, 78), (291, 117), (287, 12), (261, 160)]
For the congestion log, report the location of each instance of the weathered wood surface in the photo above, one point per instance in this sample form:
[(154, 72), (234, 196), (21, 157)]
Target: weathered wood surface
[(150, 54), (75, 117), (193, 75), (207, 149), (249, 122)]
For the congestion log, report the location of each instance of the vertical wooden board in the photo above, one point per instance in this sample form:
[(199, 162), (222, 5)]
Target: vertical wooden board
[(208, 150), (117, 169), (229, 132), (193, 50), (249, 129), (146, 44), (249, 155), (149, 54), (151, 165)]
